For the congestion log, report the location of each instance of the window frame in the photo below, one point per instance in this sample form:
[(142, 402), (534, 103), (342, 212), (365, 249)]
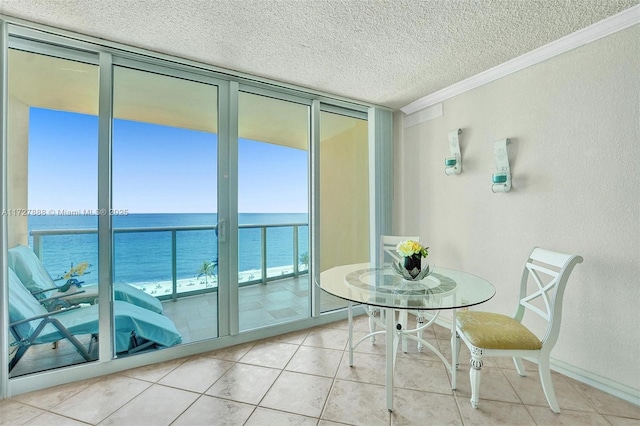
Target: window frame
[(24, 35)]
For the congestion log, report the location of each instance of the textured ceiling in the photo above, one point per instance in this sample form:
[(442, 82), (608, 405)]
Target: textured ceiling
[(387, 53)]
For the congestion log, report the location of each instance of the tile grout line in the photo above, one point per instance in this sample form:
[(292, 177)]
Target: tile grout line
[(282, 370), (344, 353), (333, 383)]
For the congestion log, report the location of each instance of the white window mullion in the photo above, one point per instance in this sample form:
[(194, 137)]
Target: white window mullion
[(228, 323), (4, 296), (105, 236), (314, 209)]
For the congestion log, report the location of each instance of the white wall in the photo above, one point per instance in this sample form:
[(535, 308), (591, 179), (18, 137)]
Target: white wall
[(575, 156)]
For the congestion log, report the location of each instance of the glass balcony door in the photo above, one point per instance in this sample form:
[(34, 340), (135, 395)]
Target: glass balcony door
[(52, 187), (165, 156), (344, 196), (205, 177), (273, 200)]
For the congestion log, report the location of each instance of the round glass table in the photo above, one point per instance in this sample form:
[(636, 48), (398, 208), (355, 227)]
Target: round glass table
[(443, 289), (383, 288)]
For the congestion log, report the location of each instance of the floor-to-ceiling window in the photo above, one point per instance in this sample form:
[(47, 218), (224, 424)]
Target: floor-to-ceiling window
[(344, 195), (273, 200), (202, 173), (52, 186), (164, 169)]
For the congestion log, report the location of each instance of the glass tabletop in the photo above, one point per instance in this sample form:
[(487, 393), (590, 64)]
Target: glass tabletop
[(442, 289)]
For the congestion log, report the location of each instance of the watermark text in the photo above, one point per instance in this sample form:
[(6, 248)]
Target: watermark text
[(65, 212)]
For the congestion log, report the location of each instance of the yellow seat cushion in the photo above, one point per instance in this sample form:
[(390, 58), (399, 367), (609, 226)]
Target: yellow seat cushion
[(494, 331)]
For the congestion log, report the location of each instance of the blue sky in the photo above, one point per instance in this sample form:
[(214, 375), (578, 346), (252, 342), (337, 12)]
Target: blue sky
[(156, 169)]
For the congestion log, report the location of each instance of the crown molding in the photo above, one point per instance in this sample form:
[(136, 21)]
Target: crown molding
[(579, 38)]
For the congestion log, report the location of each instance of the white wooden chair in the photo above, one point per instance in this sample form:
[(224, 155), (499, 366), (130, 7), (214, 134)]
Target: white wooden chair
[(388, 254), (545, 275)]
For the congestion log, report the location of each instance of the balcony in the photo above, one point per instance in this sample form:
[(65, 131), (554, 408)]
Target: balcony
[(254, 241), (268, 295), (273, 292)]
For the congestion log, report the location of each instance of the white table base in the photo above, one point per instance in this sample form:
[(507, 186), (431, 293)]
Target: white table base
[(400, 332)]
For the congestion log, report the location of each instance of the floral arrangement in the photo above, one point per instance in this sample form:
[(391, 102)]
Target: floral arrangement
[(410, 268), (409, 248)]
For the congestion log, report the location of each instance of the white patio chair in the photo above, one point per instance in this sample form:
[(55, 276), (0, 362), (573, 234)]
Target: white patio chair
[(33, 275), (544, 277), (135, 328)]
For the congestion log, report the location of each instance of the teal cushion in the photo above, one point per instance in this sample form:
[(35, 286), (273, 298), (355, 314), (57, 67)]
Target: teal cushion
[(22, 305), (29, 269)]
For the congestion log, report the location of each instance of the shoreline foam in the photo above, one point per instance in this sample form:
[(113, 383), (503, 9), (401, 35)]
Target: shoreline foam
[(161, 288)]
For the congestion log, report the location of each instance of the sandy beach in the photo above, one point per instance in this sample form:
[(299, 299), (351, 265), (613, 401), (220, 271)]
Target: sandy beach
[(160, 288)]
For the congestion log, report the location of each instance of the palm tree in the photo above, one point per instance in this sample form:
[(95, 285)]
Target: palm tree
[(207, 269), (304, 259)]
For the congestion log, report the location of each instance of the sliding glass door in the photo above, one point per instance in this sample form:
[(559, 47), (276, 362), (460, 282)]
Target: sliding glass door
[(344, 195), (165, 146), (52, 188), (273, 200), (161, 203)]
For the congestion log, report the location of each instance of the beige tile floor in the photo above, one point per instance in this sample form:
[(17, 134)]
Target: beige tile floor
[(303, 378)]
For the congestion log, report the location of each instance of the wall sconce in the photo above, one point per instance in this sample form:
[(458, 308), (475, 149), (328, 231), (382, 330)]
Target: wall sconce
[(453, 164), (502, 177)]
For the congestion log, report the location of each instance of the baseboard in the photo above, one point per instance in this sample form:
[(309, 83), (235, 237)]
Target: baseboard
[(601, 383), (618, 390)]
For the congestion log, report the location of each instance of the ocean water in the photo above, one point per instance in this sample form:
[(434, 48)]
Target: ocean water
[(146, 256)]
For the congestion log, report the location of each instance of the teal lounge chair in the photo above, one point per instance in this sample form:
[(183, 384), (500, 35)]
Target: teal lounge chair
[(24, 262), (31, 324)]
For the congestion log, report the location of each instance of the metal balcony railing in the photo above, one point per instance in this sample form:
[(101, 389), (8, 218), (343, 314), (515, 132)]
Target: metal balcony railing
[(40, 235)]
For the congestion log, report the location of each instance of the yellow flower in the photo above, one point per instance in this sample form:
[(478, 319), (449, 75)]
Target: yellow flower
[(410, 247), (76, 270), (81, 267)]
